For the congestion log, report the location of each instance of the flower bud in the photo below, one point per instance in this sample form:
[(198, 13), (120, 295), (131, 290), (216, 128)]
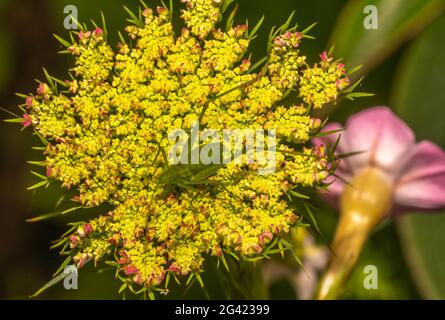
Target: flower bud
[(98, 32), (129, 270), (27, 120), (29, 102)]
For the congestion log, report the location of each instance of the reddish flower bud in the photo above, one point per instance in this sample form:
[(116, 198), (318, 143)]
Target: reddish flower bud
[(124, 258), (29, 101), (161, 10), (82, 259), (42, 89), (138, 279), (113, 241), (157, 280), (217, 251), (316, 122), (174, 268), (265, 237), (343, 83), (341, 67), (129, 270), (240, 30), (74, 239), (98, 32), (245, 65), (27, 120), (279, 42), (256, 249), (324, 57), (88, 228), (84, 35), (147, 12), (293, 218)]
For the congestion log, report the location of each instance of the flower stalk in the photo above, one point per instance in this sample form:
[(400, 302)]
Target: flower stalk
[(364, 204)]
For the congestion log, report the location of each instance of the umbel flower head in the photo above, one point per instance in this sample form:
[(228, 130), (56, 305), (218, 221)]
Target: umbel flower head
[(388, 174), (106, 137)]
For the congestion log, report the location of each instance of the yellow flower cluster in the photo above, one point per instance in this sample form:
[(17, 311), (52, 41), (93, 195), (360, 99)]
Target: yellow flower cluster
[(323, 83), (285, 60), (201, 16), (108, 134)]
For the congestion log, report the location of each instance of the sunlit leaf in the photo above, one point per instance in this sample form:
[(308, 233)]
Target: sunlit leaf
[(398, 21), (420, 99)]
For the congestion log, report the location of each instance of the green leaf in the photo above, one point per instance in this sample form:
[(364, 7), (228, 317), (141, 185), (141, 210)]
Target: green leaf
[(305, 31), (231, 18), (37, 163), (38, 185), (123, 287), (62, 266), (39, 175), (190, 278), (226, 5), (298, 195), (49, 284), (419, 99), (134, 19), (255, 29), (62, 41), (53, 214), (398, 21), (198, 277), (15, 120), (167, 280), (49, 80), (355, 95), (258, 64), (312, 217), (104, 25), (224, 261)]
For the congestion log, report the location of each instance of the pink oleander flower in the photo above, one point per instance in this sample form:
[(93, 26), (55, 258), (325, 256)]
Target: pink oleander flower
[(386, 174), (415, 171)]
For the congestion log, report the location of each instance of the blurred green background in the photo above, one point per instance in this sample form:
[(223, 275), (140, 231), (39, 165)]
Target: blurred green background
[(404, 65)]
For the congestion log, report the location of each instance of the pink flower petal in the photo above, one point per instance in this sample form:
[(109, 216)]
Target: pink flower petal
[(425, 160), (422, 183), (427, 193), (382, 136)]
